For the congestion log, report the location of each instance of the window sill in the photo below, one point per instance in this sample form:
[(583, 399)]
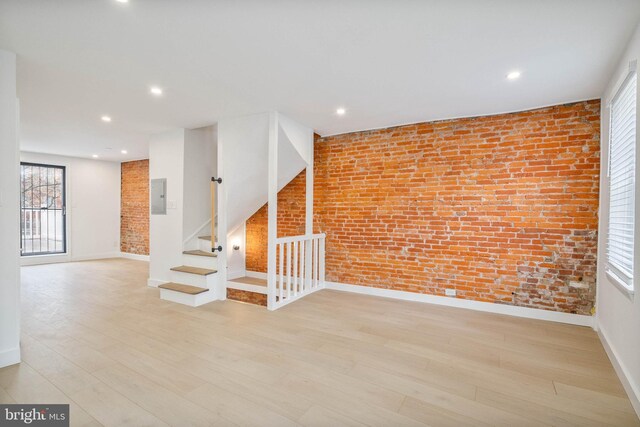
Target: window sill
[(623, 287), (27, 256)]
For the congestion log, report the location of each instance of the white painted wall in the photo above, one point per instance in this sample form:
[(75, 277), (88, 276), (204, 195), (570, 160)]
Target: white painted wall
[(618, 314), (237, 259), (245, 142), (93, 208), (9, 214), (166, 160), (200, 164)]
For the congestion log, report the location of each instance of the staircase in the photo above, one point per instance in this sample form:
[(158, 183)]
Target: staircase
[(193, 283), (255, 157)]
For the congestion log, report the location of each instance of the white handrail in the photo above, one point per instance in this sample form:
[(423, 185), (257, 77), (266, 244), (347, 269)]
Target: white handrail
[(291, 239)]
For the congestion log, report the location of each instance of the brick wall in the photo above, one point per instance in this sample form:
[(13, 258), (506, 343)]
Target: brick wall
[(501, 208), (291, 222), (134, 209)]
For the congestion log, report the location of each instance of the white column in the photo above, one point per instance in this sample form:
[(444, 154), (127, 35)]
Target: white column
[(9, 213), (222, 229), (309, 215), (272, 183)]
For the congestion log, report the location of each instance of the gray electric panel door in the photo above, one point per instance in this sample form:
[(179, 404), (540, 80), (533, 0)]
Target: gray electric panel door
[(159, 196)]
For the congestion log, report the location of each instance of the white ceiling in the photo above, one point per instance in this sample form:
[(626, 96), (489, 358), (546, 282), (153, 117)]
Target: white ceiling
[(387, 62)]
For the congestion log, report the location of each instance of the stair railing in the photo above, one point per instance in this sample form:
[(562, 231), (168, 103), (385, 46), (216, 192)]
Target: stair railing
[(300, 269), (214, 181)]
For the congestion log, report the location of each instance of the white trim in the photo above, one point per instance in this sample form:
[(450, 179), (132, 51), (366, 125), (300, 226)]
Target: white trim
[(91, 257), (510, 310), (256, 275), (632, 389), (9, 357), (633, 66), (154, 283), (247, 287), (59, 258), (28, 260), (619, 283), (136, 257)]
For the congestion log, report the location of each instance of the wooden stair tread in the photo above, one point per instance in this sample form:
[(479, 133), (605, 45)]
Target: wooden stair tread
[(185, 289), (250, 281), (198, 252), (194, 270), (205, 238)]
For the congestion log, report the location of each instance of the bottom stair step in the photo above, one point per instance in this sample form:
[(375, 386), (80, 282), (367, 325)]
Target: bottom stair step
[(247, 296), (185, 289)]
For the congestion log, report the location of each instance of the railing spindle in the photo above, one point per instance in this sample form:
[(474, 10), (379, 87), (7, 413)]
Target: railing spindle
[(322, 255), (302, 265), (315, 263), (295, 268), (288, 249), (281, 272)]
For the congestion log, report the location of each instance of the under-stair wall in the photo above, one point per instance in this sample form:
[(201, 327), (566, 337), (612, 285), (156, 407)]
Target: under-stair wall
[(200, 164), (258, 156), (166, 161)]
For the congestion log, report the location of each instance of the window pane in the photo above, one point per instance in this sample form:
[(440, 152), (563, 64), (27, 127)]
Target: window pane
[(622, 154)]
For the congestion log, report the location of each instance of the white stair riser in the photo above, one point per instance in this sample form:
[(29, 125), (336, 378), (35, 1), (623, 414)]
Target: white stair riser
[(247, 287), (187, 299), (200, 261), (208, 282), (204, 245)]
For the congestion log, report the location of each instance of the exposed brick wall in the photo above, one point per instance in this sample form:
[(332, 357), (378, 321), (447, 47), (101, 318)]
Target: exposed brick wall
[(246, 296), (291, 222), (134, 209), (501, 208)]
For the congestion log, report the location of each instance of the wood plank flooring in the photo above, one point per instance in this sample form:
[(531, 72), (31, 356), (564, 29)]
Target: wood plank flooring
[(96, 337)]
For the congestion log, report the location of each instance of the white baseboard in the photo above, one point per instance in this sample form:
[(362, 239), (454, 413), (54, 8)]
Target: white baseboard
[(54, 259), (136, 257), (632, 389), (9, 357), (256, 275), (104, 255), (154, 283), (510, 310), (26, 261)]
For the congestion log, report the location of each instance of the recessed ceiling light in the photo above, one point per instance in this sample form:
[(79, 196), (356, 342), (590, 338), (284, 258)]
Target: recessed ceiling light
[(122, 1), (341, 111), (106, 118), (155, 90), (513, 75), (95, 156), (123, 151)]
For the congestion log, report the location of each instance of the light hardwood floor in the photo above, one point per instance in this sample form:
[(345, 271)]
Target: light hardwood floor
[(95, 336)]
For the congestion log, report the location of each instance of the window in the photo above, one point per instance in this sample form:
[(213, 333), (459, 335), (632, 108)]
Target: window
[(42, 218), (622, 161)]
